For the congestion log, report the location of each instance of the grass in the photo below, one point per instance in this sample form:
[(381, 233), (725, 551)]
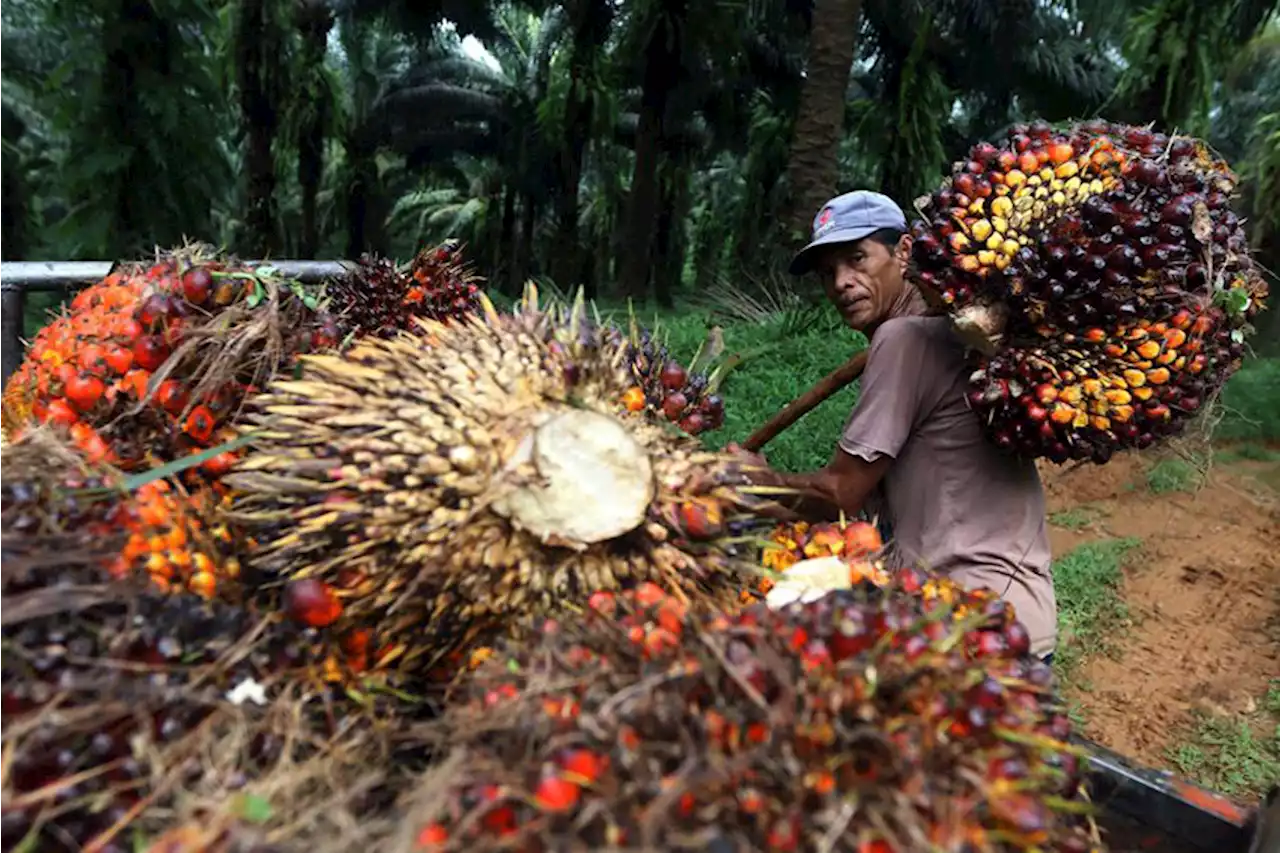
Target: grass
[(1172, 475), (1251, 403), (1249, 451), (784, 362), (1086, 583), (1238, 756), (1076, 518)]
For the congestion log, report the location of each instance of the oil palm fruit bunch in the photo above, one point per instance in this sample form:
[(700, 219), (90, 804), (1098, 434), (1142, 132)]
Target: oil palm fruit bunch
[(855, 542), (870, 720), (686, 397), (55, 500), (376, 297), (151, 363), (137, 678), (1102, 274), (123, 704), (442, 486)]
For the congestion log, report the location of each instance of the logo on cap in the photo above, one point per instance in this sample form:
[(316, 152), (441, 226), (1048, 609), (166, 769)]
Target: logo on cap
[(825, 222)]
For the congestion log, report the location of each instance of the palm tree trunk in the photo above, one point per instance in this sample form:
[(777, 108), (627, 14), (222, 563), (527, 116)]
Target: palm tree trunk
[(811, 170), (669, 241), (662, 67), (258, 59), (314, 23), (136, 45), (360, 191), (518, 269), (15, 200), (508, 238), (590, 23), (528, 218)]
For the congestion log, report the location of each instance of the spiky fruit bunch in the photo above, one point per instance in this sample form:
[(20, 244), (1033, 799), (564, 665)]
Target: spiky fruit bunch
[(439, 487), (1103, 274), (686, 398), (136, 678), (54, 501), (870, 720), (685, 395), (378, 298), (151, 363)]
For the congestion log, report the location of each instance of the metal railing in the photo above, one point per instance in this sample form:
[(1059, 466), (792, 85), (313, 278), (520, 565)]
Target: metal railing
[(18, 278)]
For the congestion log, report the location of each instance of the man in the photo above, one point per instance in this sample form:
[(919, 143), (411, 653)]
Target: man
[(912, 451)]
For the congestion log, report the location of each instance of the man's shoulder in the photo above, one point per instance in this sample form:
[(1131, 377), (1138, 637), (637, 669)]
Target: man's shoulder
[(915, 326), (916, 331)]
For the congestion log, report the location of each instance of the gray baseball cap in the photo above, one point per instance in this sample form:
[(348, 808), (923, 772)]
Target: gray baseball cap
[(846, 219)]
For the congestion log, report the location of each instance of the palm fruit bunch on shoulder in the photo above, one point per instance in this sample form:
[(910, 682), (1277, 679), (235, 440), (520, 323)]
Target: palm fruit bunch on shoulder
[(1102, 274), (869, 720), (54, 499), (151, 363), (376, 297), (854, 542), (439, 488)]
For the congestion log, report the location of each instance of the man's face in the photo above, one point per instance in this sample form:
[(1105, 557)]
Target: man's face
[(864, 279)]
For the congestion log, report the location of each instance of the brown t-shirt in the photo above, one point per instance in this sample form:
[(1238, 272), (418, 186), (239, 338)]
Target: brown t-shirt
[(955, 504)]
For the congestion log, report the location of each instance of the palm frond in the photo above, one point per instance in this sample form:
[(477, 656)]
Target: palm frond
[(441, 102)]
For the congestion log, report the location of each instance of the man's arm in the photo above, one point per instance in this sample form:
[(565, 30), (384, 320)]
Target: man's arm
[(842, 486), (882, 421)]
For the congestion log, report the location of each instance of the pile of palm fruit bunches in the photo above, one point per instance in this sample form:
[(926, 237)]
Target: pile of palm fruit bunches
[(426, 569), (1103, 277)]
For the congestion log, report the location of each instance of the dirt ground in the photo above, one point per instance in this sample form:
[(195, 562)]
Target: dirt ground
[(1203, 594)]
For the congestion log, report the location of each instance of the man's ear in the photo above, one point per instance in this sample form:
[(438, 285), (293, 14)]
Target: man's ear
[(903, 252)]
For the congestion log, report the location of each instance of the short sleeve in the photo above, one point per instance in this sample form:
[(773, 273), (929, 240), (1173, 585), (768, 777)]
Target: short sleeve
[(889, 402)]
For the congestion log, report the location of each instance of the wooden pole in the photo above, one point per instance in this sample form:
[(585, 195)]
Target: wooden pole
[(841, 377)]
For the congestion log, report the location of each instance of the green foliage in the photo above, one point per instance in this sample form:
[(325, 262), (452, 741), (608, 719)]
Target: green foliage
[(1076, 518), (1251, 403), (125, 145), (398, 132)]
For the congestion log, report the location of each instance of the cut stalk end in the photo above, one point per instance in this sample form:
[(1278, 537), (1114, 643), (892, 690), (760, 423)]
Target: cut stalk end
[(981, 327), (595, 481)]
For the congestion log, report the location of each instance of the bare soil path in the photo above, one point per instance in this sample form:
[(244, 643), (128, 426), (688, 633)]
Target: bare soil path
[(1202, 590)]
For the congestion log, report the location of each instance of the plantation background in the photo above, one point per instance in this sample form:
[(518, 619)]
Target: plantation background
[(667, 156)]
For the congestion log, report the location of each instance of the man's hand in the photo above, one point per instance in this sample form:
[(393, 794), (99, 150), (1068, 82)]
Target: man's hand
[(746, 455), (758, 471)]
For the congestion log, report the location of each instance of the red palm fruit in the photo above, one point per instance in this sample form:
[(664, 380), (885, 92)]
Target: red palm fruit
[(673, 376), (197, 284), (674, 405), (84, 392), (311, 603)]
